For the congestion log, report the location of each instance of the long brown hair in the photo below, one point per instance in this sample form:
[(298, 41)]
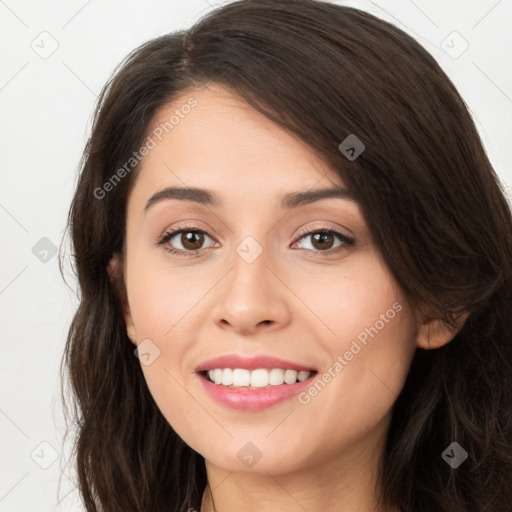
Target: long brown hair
[(431, 200)]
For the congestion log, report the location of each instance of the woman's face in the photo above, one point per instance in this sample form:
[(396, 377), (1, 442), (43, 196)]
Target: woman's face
[(253, 277)]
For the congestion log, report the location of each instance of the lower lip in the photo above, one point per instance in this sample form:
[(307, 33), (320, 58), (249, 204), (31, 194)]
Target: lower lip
[(253, 399)]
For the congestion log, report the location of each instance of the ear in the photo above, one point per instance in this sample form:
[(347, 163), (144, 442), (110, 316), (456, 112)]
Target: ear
[(116, 274), (434, 333)]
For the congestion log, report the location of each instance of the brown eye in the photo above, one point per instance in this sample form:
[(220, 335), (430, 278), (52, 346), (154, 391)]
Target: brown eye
[(183, 241), (192, 240), (322, 241)]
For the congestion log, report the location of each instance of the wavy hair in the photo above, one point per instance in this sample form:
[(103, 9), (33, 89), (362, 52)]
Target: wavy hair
[(430, 197)]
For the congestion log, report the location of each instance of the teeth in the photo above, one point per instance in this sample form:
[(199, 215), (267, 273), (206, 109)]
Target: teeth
[(303, 376), (260, 378), (217, 376), (290, 376), (241, 377), (276, 376), (227, 377)]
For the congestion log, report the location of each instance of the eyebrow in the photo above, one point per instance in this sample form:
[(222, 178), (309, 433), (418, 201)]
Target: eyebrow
[(209, 198)]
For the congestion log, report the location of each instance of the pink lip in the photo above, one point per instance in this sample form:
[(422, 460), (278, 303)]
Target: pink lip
[(245, 399), (251, 363)]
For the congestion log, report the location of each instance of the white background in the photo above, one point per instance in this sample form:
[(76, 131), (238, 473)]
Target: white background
[(46, 106)]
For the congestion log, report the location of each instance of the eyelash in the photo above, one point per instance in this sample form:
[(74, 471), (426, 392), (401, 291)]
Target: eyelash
[(347, 241)]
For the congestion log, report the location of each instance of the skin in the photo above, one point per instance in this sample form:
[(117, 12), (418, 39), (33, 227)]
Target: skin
[(318, 456)]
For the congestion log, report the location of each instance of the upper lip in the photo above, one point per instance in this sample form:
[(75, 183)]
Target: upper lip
[(251, 363)]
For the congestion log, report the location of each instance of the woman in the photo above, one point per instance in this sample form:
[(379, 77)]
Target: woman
[(295, 275)]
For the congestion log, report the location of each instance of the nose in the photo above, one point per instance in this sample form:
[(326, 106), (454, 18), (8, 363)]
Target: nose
[(253, 297)]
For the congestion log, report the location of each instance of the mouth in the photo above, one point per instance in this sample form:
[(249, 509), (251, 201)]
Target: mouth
[(253, 384)]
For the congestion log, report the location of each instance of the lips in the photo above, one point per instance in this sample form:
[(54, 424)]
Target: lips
[(249, 398), (252, 363)]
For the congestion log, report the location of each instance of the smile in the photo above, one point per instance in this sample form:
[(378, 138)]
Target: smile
[(253, 383)]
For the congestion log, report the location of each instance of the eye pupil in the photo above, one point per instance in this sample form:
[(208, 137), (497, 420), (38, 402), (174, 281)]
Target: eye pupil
[(187, 239), (321, 237)]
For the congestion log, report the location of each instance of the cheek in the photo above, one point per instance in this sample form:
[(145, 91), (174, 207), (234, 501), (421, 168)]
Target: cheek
[(354, 394), (164, 309), (370, 343), (160, 300), (159, 314), (348, 302)]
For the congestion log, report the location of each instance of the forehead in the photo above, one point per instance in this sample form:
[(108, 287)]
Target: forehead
[(222, 143)]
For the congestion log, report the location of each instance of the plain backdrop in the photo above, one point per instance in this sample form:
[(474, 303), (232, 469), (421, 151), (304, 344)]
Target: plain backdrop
[(55, 58)]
